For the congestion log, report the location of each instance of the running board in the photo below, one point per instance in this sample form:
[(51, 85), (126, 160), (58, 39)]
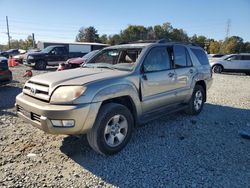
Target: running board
[(156, 114)]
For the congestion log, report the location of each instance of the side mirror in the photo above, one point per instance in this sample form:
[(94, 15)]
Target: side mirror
[(229, 59)]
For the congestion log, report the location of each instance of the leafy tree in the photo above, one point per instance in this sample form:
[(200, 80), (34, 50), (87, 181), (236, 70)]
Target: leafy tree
[(200, 40), (104, 39), (233, 44), (179, 35), (214, 47), (88, 34), (134, 33), (115, 39)]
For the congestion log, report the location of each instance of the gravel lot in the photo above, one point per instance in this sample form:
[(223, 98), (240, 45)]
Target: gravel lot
[(175, 151)]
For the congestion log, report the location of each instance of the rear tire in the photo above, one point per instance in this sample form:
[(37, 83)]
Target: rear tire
[(112, 129), (40, 65), (196, 103), (217, 68)]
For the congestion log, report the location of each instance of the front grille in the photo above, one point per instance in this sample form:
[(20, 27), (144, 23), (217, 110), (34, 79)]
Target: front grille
[(37, 90)]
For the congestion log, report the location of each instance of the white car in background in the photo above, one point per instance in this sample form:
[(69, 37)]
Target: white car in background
[(232, 63)]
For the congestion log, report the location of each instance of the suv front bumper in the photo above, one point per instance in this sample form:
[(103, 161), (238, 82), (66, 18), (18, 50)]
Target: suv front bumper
[(40, 114)]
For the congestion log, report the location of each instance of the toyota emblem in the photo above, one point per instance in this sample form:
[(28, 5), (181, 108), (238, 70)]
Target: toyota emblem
[(33, 90)]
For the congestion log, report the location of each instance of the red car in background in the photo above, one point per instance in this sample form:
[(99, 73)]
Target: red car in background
[(77, 62), (5, 73)]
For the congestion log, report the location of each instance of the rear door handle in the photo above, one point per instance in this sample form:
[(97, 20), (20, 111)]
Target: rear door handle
[(170, 74), (191, 71)]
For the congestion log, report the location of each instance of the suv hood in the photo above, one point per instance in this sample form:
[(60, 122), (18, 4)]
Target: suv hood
[(36, 54), (79, 76)]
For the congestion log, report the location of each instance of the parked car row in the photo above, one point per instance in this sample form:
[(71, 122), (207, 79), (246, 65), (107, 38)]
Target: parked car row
[(232, 63)]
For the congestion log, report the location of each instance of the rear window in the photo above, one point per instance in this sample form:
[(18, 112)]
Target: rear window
[(201, 56), (3, 65)]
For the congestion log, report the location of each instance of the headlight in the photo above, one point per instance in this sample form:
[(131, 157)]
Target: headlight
[(67, 93), (30, 57)]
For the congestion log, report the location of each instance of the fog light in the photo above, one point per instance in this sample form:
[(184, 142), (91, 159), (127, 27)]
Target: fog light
[(68, 123), (63, 123), (57, 123)]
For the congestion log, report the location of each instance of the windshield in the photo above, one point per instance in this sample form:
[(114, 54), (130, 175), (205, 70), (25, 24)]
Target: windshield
[(122, 59), (47, 49), (89, 55)]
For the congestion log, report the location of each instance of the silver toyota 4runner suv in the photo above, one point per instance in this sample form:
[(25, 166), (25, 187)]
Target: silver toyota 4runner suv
[(119, 88)]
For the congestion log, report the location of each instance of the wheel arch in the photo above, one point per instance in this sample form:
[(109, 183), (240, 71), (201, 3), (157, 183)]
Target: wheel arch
[(127, 101), (203, 84)]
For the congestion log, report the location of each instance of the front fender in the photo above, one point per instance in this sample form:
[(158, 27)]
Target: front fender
[(120, 90)]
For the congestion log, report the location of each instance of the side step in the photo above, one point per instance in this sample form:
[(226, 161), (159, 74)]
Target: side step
[(156, 114)]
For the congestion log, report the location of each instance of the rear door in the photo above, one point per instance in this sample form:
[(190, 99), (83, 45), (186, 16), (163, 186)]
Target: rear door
[(158, 80), (246, 60), (184, 70)]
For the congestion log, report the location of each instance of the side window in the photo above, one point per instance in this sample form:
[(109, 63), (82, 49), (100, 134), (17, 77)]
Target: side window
[(246, 57), (157, 60), (200, 55), (180, 57), (234, 57), (59, 51)]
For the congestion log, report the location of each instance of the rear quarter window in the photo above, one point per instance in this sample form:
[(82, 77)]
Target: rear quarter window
[(201, 56)]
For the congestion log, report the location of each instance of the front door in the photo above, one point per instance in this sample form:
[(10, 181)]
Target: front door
[(158, 80), (56, 56)]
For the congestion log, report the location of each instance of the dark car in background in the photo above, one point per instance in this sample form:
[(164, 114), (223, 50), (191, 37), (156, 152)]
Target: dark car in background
[(5, 73), (77, 62), (51, 55), (10, 52)]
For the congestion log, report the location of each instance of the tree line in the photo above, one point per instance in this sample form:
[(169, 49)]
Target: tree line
[(19, 44), (229, 45), (132, 33)]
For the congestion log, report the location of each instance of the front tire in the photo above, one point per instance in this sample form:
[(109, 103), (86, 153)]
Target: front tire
[(112, 129), (196, 103), (217, 69), (40, 65)]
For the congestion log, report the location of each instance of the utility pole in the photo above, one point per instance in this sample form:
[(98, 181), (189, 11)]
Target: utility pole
[(228, 28), (8, 31), (33, 40)]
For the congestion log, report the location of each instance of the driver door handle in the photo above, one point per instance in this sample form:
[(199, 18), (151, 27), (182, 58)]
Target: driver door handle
[(170, 74)]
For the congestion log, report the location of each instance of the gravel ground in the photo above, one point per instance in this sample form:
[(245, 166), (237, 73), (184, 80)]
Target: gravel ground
[(174, 151)]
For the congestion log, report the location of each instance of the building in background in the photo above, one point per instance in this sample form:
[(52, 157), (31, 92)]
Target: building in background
[(83, 47)]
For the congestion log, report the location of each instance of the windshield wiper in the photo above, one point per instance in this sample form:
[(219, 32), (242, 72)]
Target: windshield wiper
[(103, 66)]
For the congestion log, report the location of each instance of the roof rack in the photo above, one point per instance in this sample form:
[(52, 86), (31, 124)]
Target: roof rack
[(162, 41)]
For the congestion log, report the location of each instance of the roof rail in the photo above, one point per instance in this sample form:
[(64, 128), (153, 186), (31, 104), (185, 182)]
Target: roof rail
[(161, 41)]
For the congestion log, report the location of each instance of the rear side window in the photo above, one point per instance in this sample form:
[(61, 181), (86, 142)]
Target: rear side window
[(181, 57), (246, 57), (3, 65), (201, 56)]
